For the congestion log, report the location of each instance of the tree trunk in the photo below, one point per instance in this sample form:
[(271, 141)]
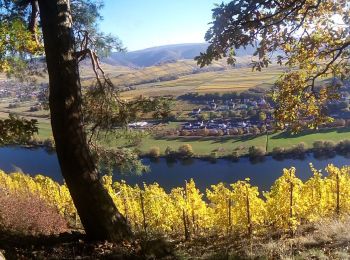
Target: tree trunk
[(98, 213)]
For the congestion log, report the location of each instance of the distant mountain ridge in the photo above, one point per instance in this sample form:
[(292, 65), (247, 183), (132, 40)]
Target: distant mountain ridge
[(163, 54)]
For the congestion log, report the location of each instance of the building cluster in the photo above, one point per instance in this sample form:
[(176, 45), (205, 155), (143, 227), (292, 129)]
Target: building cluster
[(227, 126), (19, 92), (231, 105)]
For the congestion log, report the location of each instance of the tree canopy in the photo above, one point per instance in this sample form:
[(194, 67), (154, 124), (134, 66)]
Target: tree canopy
[(310, 37), (22, 53)]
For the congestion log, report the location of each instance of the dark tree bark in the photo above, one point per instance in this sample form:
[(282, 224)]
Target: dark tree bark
[(98, 213)]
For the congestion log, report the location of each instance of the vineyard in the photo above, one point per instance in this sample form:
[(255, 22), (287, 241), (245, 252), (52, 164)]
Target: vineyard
[(237, 208)]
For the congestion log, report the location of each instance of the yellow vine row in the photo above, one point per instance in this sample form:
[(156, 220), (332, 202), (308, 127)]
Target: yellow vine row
[(238, 207)]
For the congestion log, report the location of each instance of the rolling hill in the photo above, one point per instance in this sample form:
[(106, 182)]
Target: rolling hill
[(172, 70), (164, 54)]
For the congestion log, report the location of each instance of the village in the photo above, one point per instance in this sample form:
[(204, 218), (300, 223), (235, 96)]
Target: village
[(233, 114)]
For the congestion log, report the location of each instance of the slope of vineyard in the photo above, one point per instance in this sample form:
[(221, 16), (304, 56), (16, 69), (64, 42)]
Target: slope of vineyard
[(225, 209)]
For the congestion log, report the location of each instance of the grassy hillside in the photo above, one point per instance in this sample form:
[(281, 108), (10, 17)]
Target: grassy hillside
[(178, 68), (233, 79)]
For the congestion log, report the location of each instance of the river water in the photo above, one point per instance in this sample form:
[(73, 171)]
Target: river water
[(174, 174)]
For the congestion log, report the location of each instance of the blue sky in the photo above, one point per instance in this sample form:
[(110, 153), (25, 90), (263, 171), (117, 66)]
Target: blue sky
[(145, 23)]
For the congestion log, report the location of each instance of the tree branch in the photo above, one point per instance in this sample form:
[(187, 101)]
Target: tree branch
[(33, 22)]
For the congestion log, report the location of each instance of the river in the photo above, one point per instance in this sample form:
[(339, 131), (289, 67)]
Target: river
[(168, 175)]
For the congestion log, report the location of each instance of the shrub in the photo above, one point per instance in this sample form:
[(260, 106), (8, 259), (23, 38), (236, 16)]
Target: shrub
[(278, 152), (28, 214), (321, 148), (220, 132), (35, 108), (221, 150), (35, 141), (213, 132), (256, 152), (298, 150), (14, 105), (136, 141), (186, 151), (343, 147), (169, 152), (185, 133), (233, 131), (203, 132), (49, 142), (234, 156), (240, 131), (213, 156), (255, 131), (154, 152), (318, 145), (263, 129), (340, 122), (329, 146)]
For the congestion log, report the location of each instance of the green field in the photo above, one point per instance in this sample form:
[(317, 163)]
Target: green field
[(205, 145), (227, 144)]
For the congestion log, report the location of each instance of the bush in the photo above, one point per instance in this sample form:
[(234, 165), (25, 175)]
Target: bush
[(169, 152), (154, 152), (136, 141), (35, 141), (28, 214), (234, 156), (256, 152), (233, 131), (220, 132), (318, 145), (186, 151), (263, 129), (203, 132), (185, 133), (240, 131), (49, 142), (298, 150), (35, 108), (278, 152), (329, 146), (213, 156), (14, 105), (343, 147), (221, 150), (322, 148), (213, 132), (255, 131), (339, 123)]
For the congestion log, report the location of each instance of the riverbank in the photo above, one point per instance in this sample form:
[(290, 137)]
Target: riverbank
[(227, 145), (223, 146), (174, 173)]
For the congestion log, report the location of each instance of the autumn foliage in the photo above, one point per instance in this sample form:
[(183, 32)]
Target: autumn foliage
[(185, 211)]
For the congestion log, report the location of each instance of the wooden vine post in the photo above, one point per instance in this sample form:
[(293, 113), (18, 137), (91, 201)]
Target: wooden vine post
[(338, 195), (229, 230), (250, 227), (184, 215), (291, 206), (143, 212)]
